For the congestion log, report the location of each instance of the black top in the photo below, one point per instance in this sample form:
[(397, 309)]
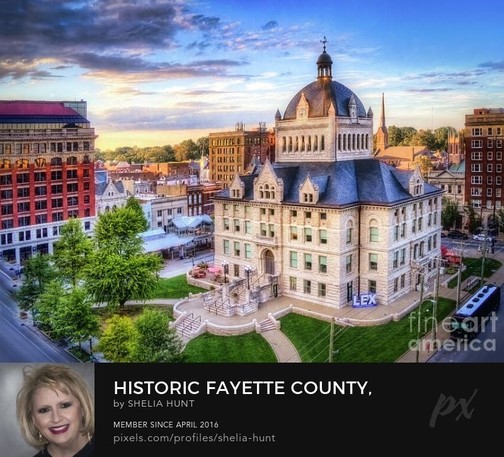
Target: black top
[(87, 451)]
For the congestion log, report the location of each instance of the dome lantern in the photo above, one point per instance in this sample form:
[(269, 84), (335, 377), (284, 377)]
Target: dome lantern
[(324, 63)]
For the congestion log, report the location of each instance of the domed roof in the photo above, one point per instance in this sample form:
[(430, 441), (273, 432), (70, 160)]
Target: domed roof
[(324, 91), (320, 94)]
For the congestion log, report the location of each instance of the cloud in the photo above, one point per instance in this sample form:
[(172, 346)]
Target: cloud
[(99, 35), (271, 25), (499, 66)]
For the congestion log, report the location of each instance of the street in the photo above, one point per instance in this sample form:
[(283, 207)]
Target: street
[(20, 342)]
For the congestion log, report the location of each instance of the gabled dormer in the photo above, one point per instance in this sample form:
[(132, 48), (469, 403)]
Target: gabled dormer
[(309, 192), (237, 188), (268, 187), (416, 183), (303, 107), (352, 108)]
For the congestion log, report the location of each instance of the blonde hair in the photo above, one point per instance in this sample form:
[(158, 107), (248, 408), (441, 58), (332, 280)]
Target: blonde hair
[(54, 377)]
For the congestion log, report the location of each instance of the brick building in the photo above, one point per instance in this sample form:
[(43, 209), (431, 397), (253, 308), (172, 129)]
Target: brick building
[(46, 174), (483, 146)]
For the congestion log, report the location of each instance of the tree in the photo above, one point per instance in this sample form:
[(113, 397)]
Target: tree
[(118, 231), (71, 251), (156, 342), (118, 339), (449, 213), (187, 150), (114, 279), (140, 220), (74, 317), (425, 164), (474, 220), (38, 272), (119, 270), (48, 301)]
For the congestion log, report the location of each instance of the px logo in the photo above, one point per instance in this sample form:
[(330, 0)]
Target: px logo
[(449, 405)]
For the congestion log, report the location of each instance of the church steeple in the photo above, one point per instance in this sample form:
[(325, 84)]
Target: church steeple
[(324, 63), (382, 133)]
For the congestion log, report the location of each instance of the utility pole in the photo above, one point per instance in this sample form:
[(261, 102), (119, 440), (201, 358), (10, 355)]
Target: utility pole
[(331, 341), (483, 252), (459, 277), (419, 313), (434, 303)]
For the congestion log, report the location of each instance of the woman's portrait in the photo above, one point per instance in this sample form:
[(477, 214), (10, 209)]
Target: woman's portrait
[(53, 407)]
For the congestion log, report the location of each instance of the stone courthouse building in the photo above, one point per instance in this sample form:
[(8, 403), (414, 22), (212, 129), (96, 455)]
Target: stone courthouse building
[(326, 222)]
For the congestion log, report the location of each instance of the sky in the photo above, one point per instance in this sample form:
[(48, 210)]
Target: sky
[(158, 72)]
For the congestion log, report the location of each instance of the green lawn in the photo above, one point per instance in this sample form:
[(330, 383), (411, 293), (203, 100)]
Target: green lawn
[(376, 344), (249, 348), (175, 287), (473, 268)]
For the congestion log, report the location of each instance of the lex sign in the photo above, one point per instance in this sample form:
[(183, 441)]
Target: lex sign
[(367, 300)]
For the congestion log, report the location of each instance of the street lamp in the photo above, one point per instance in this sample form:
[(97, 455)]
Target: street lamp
[(225, 267), (248, 269), (91, 347)]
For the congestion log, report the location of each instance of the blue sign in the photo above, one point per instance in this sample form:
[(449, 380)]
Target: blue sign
[(367, 300)]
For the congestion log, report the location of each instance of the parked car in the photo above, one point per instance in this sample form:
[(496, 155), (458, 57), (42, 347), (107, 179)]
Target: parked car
[(482, 237), (457, 235)]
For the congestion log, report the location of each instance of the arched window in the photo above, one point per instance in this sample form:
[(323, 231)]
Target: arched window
[(373, 231)]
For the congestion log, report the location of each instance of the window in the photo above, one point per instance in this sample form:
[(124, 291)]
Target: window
[(348, 263), (236, 248), (292, 283), (248, 227), (308, 235), (226, 247), (373, 261), (236, 225), (349, 291), (395, 261), (248, 251), (307, 214), (293, 234), (322, 264), (293, 213), (23, 192), (226, 223), (321, 289), (323, 216), (349, 235), (323, 236), (372, 286), (307, 286), (373, 234), (308, 261), (293, 259)]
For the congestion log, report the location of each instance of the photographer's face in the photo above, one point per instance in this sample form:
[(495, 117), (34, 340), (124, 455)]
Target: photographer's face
[(58, 417)]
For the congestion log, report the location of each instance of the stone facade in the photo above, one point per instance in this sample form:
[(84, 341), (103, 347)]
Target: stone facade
[(327, 222)]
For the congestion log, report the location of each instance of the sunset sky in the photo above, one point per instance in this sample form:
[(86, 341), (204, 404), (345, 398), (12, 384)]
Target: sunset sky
[(158, 72)]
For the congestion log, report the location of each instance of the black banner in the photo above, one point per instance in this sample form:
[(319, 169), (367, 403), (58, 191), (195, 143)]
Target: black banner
[(161, 408)]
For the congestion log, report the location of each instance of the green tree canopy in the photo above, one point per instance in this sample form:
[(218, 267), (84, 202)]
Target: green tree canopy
[(38, 272), (114, 278), (156, 343), (140, 222), (71, 251), (449, 213), (118, 340)]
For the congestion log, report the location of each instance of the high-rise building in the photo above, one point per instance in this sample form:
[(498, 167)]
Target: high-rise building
[(46, 174), (327, 222), (483, 146), (232, 152)]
